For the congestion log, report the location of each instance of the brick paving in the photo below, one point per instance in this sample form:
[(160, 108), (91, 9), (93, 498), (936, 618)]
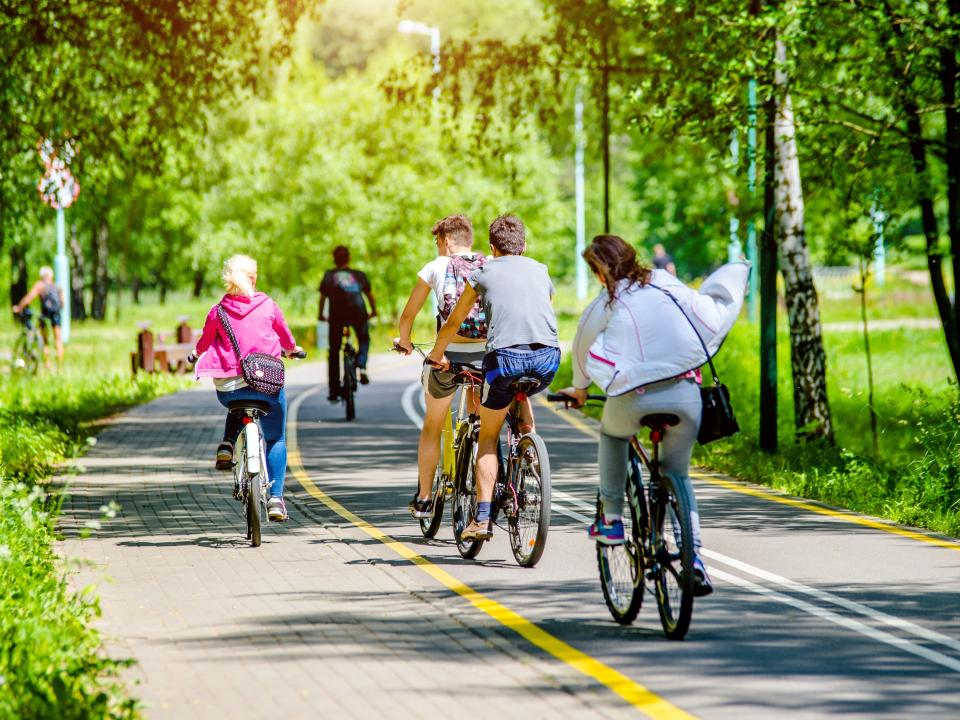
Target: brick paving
[(306, 626)]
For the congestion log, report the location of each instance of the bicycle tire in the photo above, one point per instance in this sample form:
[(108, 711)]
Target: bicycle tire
[(530, 524), (29, 349), (429, 526), (465, 492), (672, 546), (621, 567), (347, 387)]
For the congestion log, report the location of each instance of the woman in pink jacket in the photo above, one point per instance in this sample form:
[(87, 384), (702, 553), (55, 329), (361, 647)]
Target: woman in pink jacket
[(258, 326)]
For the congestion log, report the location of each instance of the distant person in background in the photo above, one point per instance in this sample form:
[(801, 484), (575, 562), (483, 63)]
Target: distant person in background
[(51, 303), (345, 287), (663, 261)]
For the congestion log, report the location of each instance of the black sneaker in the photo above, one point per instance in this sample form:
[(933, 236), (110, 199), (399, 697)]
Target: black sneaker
[(364, 378), (421, 508), (224, 456), (333, 399)]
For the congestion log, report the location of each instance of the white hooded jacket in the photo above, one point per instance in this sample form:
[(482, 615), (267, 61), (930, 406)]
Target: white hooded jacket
[(641, 337)]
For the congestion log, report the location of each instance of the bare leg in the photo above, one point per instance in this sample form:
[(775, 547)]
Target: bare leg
[(525, 416), (46, 344), (428, 450), (58, 339), (490, 423)]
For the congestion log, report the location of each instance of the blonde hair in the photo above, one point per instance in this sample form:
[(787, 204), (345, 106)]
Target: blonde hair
[(46, 273), (239, 275)]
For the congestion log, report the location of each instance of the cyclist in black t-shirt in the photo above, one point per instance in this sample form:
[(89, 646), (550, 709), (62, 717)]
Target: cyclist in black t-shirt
[(345, 287)]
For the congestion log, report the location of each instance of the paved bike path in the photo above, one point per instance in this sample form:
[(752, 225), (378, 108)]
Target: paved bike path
[(325, 619)]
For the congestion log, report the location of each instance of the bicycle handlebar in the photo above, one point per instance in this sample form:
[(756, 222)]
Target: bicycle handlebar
[(560, 397), (299, 355)]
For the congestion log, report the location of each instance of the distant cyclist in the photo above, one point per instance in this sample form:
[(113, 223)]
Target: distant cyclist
[(446, 277), (635, 343), (516, 294), (51, 305), (345, 288), (259, 326)]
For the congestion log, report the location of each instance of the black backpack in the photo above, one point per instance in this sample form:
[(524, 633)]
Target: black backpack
[(50, 300)]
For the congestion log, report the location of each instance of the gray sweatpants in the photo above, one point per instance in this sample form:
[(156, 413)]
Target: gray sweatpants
[(621, 420)]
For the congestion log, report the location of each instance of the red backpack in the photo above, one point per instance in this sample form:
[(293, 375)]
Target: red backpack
[(474, 326)]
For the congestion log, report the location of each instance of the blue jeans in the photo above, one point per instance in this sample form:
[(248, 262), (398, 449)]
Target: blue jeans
[(274, 428), (501, 367)]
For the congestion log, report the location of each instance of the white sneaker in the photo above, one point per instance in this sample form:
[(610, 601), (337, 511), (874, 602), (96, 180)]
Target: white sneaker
[(276, 510)]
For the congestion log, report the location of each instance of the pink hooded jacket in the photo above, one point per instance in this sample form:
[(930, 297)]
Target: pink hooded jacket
[(258, 326)]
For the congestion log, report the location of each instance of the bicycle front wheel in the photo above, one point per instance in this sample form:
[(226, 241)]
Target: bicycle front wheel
[(348, 386), (530, 523), (430, 525), (672, 541), (465, 493), (621, 566)]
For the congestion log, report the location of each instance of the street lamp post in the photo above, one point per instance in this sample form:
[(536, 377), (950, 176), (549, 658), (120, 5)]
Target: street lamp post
[(413, 27), (580, 265)]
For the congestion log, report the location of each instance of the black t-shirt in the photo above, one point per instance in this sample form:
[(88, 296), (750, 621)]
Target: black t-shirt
[(661, 263), (345, 287)]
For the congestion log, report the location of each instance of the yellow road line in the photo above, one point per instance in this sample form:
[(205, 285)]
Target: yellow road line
[(735, 486), (637, 695)]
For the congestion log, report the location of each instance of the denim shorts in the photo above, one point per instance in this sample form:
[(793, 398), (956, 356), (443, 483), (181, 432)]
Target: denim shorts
[(501, 367)]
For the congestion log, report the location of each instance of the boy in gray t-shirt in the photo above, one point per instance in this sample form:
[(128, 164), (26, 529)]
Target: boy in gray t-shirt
[(521, 341)]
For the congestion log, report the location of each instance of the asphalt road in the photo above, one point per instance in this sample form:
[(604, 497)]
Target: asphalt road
[(815, 614)]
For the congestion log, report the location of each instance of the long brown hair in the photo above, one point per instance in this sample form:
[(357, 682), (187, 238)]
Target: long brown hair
[(615, 259)]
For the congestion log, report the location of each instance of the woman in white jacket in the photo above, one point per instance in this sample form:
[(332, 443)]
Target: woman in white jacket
[(635, 343)]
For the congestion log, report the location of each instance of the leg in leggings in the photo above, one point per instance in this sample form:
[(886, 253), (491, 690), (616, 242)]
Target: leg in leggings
[(621, 418)]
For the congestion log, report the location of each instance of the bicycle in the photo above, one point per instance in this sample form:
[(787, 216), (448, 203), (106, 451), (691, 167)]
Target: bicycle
[(251, 481), (522, 491), (454, 430), (28, 347), (348, 379), (657, 554)]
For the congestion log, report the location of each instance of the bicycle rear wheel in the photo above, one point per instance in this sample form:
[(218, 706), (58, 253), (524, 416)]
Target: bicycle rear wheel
[(621, 566), (530, 523), (29, 351), (465, 493), (672, 541), (430, 525), (348, 386)]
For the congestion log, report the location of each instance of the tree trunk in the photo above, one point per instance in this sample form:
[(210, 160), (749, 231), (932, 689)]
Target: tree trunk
[(78, 308), (135, 285), (948, 77), (98, 305), (807, 357), (19, 282), (769, 423), (198, 282), (605, 140)]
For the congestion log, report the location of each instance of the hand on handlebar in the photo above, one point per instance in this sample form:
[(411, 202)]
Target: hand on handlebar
[(400, 347), (192, 358), (298, 352), (440, 363), (577, 396)]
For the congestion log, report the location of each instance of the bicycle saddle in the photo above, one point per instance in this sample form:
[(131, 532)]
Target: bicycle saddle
[(240, 407), (524, 384), (659, 421)]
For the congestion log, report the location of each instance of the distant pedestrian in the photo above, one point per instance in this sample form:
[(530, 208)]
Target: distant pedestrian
[(51, 303), (662, 260), (345, 287)]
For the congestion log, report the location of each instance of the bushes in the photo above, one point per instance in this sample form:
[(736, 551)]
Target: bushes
[(51, 665), (51, 660)]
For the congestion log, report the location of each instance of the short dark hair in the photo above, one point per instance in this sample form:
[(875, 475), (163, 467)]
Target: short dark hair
[(456, 229), (341, 255), (507, 235)]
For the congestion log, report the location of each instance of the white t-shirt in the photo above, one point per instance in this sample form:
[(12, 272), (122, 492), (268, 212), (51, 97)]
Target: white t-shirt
[(433, 274)]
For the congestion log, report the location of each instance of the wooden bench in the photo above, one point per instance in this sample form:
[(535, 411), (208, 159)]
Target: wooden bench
[(157, 354)]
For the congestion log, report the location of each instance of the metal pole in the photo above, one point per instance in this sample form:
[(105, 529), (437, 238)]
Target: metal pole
[(61, 267), (734, 249), (580, 264), (752, 187), (768, 294), (879, 218)]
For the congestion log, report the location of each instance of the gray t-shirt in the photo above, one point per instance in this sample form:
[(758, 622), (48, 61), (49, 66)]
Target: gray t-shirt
[(516, 293)]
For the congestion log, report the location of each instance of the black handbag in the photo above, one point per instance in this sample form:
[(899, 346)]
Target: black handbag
[(717, 419), (262, 372)]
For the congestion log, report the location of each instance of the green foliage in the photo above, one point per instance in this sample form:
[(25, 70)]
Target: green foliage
[(51, 660)]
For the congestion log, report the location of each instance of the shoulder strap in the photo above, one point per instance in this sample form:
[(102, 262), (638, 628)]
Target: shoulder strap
[(713, 370), (225, 321)]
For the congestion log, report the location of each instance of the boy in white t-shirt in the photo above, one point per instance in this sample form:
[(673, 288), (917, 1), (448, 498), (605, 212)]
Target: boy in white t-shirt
[(454, 238)]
